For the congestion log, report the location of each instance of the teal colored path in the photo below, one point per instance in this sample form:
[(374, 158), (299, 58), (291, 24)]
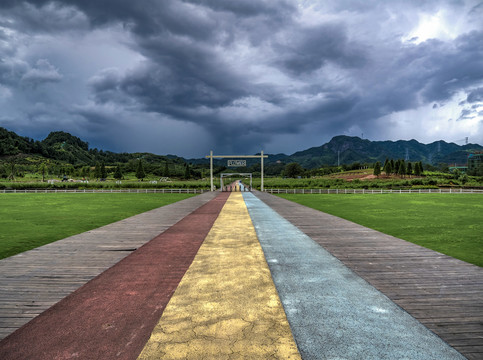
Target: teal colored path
[(333, 313)]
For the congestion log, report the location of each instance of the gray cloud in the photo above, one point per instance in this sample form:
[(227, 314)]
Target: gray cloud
[(247, 73), (475, 96), (309, 48), (42, 72), (43, 16)]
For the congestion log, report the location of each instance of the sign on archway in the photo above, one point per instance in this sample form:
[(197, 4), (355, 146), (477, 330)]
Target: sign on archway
[(211, 157)]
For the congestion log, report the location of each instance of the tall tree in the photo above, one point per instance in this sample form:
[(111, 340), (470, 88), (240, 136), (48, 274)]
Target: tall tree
[(293, 170), (388, 169), (416, 169), (118, 173), (97, 171), (103, 170), (140, 174), (43, 170), (187, 172), (402, 168), (384, 168), (409, 169), (377, 169)]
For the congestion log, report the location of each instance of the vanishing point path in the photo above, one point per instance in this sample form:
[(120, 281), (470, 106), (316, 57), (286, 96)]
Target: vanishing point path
[(238, 276)]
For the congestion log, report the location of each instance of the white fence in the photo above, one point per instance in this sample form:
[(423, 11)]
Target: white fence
[(90, 191), (271, 191), (374, 191)]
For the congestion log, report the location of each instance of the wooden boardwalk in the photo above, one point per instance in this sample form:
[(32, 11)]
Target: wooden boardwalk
[(443, 293), (33, 281)]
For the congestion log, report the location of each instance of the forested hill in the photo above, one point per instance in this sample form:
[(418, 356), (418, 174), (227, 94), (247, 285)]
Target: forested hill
[(64, 147), (347, 150)]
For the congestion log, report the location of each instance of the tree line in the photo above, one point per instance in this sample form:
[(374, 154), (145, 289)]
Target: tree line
[(399, 167)]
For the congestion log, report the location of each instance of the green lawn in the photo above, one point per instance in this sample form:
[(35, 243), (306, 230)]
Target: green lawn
[(31, 220), (450, 224)]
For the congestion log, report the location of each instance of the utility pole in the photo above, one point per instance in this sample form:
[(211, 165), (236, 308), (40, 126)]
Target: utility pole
[(261, 187), (211, 169)]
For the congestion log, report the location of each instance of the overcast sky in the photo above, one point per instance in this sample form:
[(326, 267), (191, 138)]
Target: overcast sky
[(184, 77)]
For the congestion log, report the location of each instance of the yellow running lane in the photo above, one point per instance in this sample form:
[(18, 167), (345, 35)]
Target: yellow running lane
[(226, 305)]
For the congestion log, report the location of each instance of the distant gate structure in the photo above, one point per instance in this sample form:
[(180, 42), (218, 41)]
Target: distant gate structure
[(211, 157), (222, 175)]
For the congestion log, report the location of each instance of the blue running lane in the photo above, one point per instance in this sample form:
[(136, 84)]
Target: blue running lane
[(333, 313)]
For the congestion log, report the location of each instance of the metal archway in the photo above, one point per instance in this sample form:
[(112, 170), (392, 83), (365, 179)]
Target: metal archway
[(211, 157)]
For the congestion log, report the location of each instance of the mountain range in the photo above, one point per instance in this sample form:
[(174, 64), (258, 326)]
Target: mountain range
[(64, 147), (350, 149)]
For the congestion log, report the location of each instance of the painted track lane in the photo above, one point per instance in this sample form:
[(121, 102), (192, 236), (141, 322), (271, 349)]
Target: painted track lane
[(443, 293), (333, 312), (226, 306), (33, 281), (113, 315)]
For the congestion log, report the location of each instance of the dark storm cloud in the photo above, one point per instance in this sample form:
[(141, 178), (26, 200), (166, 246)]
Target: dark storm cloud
[(22, 74), (250, 8), (43, 72), (185, 73), (97, 119), (42, 16), (451, 67), (248, 71), (11, 71), (308, 49)]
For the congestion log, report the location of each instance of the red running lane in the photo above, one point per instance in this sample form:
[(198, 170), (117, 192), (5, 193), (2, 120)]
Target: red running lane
[(113, 315)]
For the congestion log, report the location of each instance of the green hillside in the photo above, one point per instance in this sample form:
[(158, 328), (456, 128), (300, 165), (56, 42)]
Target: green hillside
[(60, 148), (348, 149)]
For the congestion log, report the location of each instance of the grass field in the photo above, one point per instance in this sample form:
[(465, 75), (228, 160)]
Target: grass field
[(450, 224), (31, 220)]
